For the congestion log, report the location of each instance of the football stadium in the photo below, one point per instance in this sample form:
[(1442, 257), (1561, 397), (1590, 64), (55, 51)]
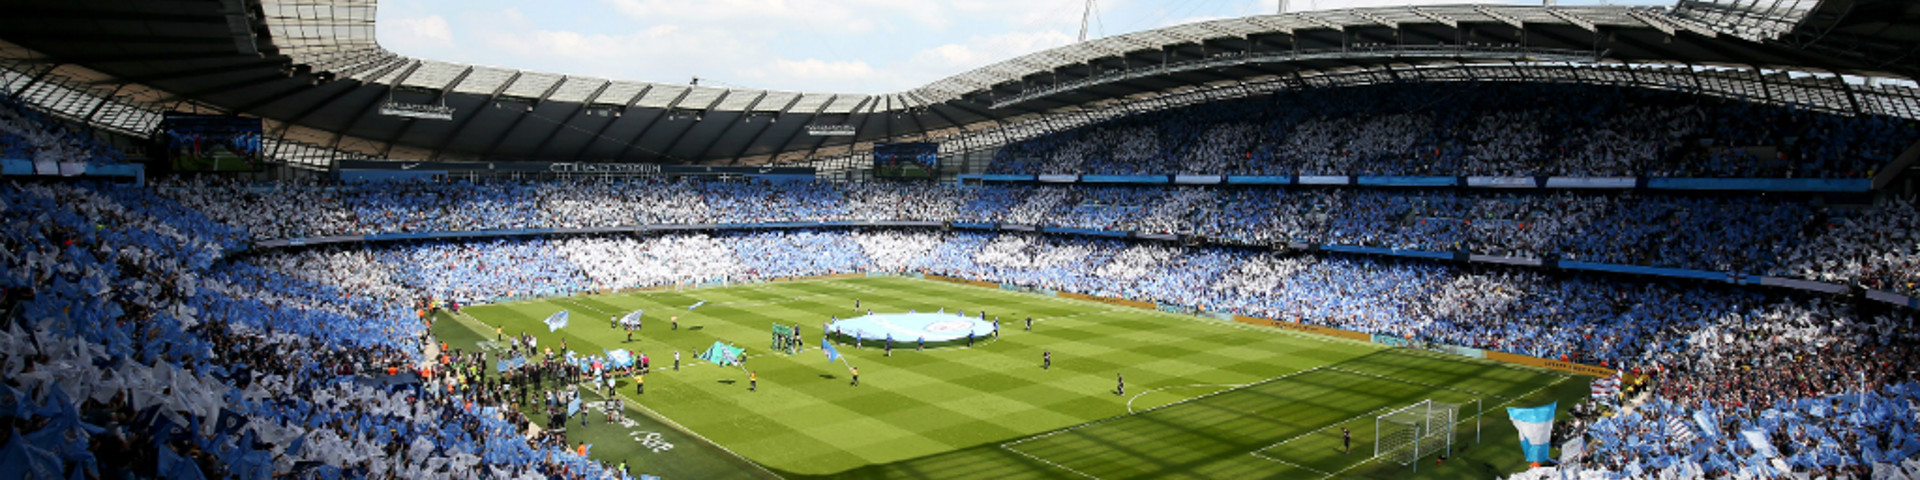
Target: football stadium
[(1386, 240)]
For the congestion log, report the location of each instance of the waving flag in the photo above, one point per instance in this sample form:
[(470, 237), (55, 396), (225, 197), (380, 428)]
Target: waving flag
[(619, 358), (833, 355), (697, 305), (557, 321), (229, 422), (1677, 429), (721, 354), (1708, 424), (1760, 443), (573, 407), (1535, 425), (632, 317), (1606, 387)]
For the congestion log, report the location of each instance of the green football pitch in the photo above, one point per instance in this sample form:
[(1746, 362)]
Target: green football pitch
[(1204, 398)]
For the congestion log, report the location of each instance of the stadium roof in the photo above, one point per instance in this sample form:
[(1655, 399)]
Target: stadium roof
[(313, 69)]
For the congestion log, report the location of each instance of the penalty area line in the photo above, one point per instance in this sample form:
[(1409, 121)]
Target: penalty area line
[(1562, 379), (1195, 385), (1412, 382), (1048, 462), (1125, 415), (1304, 467)]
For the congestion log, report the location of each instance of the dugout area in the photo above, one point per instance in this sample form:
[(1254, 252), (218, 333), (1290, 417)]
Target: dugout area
[(1205, 398)]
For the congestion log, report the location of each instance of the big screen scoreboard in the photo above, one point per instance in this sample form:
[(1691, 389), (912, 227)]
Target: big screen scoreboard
[(211, 143), (906, 160)]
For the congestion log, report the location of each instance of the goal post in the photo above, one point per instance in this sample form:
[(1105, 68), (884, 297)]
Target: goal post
[(1410, 433)]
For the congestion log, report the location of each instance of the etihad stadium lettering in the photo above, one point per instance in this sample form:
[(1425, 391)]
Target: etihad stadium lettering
[(568, 167)]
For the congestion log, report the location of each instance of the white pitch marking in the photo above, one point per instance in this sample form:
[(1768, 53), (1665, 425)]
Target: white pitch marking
[(1045, 461), (1257, 454), (1117, 417), (1563, 378), (1195, 385)]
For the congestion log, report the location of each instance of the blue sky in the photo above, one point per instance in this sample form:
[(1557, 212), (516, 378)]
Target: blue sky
[(850, 46)]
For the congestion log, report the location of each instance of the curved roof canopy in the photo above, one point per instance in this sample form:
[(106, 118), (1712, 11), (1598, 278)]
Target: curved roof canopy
[(313, 66)]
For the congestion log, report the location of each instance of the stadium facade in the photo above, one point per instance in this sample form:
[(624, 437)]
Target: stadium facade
[(313, 70)]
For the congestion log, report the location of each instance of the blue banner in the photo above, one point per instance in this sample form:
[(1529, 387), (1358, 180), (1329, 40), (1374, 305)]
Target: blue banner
[(1503, 182), (1658, 271), (1259, 180), (1197, 179), (1389, 251), (1085, 231), (1152, 179), (1591, 182), (1410, 181)]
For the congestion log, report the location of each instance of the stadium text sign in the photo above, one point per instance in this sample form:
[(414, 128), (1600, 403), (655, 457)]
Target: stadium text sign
[(416, 110), (829, 130), (627, 168)]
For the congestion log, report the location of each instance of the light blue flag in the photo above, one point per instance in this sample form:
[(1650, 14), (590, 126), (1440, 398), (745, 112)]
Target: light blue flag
[(1709, 425), (833, 355), (1535, 425), (697, 305), (573, 407), (557, 321), (1760, 443), (619, 358)]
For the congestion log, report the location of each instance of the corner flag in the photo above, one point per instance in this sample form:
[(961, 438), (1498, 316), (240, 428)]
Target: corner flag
[(1535, 425), (833, 355), (557, 321)]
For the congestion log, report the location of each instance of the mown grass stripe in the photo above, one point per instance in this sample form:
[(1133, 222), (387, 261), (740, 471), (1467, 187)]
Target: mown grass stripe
[(964, 413)]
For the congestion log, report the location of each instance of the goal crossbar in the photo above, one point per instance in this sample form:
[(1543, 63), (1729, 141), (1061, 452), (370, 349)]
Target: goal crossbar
[(1408, 433)]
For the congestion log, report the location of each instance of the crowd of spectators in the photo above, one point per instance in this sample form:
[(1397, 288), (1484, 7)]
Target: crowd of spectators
[(339, 316), (28, 134), (130, 349), (1763, 234), (1483, 128), (1810, 389)]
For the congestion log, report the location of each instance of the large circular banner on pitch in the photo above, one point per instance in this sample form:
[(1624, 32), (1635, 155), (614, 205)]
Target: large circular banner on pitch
[(909, 327)]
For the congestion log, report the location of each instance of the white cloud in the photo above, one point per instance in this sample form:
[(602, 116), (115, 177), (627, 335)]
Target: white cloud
[(415, 33), (818, 69), (841, 16), (1314, 5), (979, 51), (869, 46)]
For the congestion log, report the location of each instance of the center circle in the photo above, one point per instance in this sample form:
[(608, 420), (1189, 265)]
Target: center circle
[(913, 326), (950, 326)]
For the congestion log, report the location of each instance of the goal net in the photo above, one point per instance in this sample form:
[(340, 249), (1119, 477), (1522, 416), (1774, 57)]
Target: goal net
[(1419, 430)]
